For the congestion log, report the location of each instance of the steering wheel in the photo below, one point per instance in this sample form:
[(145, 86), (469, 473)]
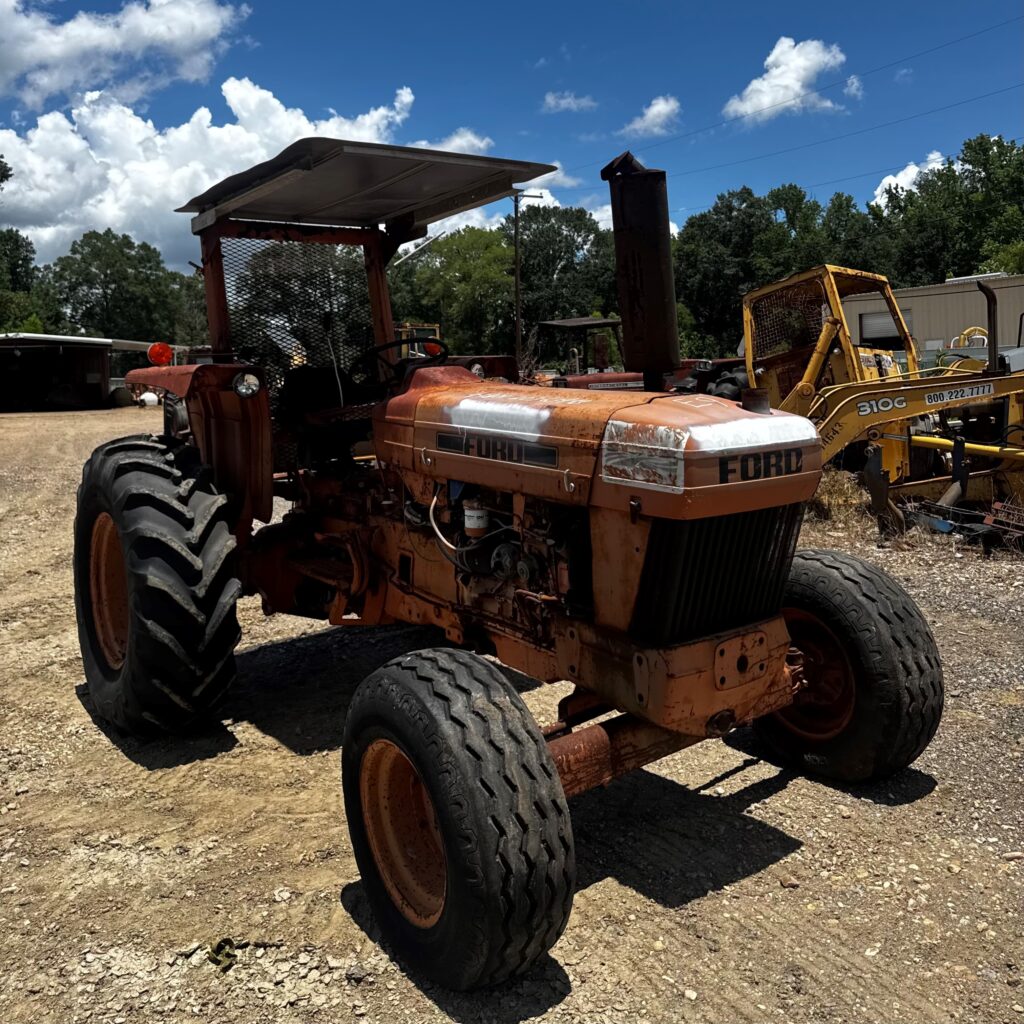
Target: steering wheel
[(366, 366)]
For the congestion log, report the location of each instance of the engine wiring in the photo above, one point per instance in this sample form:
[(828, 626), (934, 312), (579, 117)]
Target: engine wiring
[(452, 552)]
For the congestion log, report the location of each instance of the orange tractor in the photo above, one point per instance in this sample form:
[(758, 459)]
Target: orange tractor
[(639, 544)]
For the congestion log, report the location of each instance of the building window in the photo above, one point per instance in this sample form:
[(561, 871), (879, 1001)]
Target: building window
[(878, 330)]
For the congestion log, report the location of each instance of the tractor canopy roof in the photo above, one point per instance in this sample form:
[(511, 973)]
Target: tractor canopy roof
[(582, 323), (319, 181)]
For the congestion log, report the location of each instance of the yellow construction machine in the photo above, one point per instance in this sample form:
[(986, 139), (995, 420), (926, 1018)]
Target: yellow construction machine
[(935, 438)]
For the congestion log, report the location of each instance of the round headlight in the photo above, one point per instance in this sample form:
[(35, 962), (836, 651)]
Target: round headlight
[(246, 385)]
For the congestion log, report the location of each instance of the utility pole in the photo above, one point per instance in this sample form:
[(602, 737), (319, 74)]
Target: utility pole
[(518, 287)]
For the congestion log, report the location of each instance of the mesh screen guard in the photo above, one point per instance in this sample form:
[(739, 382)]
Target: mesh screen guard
[(789, 318), (293, 304)]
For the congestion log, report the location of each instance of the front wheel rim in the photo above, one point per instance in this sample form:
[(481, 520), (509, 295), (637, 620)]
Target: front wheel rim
[(108, 590), (824, 707), (403, 833)]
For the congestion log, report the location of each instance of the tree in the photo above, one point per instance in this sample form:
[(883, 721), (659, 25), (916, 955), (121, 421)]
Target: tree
[(464, 282), (116, 287), (17, 261), (567, 263), (957, 214), (1007, 258), (190, 326), (724, 252)]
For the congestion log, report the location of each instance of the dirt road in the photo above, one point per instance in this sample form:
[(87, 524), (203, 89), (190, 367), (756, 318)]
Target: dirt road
[(713, 887)]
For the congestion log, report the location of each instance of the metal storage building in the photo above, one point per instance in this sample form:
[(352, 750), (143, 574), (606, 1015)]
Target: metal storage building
[(55, 371), (937, 313)]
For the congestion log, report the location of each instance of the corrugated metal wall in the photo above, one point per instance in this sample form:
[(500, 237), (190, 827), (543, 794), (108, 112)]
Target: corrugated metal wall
[(941, 311)]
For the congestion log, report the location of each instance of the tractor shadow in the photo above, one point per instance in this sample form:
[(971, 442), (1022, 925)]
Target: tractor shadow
[(673, 844), (905, 787), (296, 691), (668, 843), (540, 989)]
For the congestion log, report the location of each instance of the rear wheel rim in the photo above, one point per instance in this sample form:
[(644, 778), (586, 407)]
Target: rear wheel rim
[(108, 590), (824, 707), (405, 840)]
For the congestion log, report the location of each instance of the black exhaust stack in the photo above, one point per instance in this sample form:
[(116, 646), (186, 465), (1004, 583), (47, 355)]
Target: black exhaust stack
[(992, 326), (643, 269)]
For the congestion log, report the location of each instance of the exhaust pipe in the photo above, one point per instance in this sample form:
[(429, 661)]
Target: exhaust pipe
[(992, 326), (643, 269)]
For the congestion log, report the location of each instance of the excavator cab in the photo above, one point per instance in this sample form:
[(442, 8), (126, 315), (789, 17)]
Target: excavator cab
[(797, 340)]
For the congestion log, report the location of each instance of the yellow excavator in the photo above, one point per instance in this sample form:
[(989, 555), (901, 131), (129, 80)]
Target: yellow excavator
[(940, 437)]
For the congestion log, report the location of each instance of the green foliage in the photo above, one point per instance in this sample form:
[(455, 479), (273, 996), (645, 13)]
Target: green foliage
[(189, 310), (464, 282), (115, 287), (958, 214), (1007, 258), (567, 261), (17, 261), (32, 325)]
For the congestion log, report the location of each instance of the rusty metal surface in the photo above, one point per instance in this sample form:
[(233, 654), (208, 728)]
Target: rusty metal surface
[(643, 262), (231, 433), (175, 379), (681, 687), (600, 753), (700, 454)]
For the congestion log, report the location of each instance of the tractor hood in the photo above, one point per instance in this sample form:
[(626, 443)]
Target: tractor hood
[(677, 456)]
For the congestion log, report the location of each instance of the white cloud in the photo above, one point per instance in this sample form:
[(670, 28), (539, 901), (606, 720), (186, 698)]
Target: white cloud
[(538, 197), (904, 76), (907, 178), (478, 218), (658, 118), (141, 46), (462, 140), (555, 179), (854, 88), (603, 215), (481, 218), (787, 86), (560, 102), (103, 165)]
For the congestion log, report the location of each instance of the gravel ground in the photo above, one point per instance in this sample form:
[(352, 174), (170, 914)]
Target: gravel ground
[(713, 886)]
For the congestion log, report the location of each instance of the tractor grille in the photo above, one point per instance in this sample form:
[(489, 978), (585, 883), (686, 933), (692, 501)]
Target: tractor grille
[(789, 318), (703, 576), (297, 304)]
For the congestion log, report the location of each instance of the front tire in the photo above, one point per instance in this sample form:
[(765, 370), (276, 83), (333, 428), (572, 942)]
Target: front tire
[(457, 817), (874, 692), (155, 585)]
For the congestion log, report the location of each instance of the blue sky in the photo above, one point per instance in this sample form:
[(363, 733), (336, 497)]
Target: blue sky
[(98, 101)]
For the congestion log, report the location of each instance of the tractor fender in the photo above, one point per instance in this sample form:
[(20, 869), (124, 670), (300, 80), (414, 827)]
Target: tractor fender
[(231, 432)]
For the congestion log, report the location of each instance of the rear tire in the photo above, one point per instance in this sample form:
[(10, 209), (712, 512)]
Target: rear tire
[(155, 584), (874, 679), (457, 817)]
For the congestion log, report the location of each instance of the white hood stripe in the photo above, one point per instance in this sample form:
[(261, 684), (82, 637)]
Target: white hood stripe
[(741, 435)]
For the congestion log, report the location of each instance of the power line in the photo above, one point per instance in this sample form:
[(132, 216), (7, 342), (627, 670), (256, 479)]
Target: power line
[(691, 210), (812, 92), (831, 138), (850, 135)]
